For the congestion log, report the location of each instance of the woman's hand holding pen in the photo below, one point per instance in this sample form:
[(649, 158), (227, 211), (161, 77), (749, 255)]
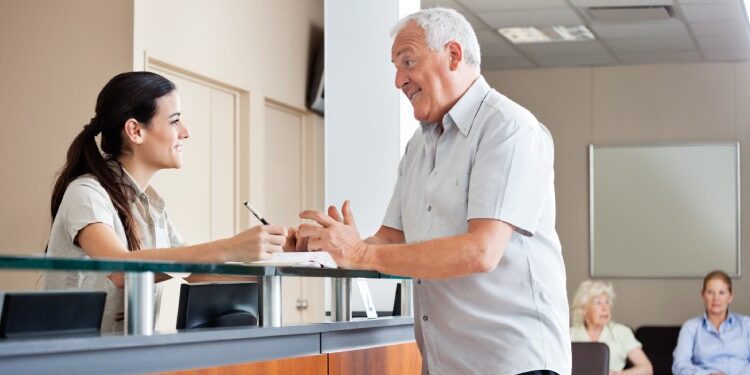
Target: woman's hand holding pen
[(257, 243)]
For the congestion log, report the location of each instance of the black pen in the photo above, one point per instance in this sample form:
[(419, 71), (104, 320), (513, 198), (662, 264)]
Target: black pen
[(256, 214)]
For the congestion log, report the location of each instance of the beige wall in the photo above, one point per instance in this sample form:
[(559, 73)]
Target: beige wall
[(262, 47), (55, 57), (696, 102)]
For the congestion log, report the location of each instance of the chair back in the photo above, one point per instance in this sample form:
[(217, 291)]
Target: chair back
[(658, 344), (590, 358)]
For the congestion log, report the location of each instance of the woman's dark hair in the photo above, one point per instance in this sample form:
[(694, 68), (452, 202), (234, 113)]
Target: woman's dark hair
[(721, 275), (127, 96)]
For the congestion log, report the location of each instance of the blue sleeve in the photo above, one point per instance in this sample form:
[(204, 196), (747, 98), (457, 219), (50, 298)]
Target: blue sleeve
[(683, 352)]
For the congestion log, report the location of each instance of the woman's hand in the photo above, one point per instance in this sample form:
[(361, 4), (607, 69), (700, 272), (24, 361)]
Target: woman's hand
[(257, 243)]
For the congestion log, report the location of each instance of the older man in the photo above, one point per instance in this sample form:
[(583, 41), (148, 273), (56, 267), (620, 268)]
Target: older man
[(472, 217)]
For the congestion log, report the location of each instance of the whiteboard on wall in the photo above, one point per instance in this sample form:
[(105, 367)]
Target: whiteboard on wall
[(664, 210)]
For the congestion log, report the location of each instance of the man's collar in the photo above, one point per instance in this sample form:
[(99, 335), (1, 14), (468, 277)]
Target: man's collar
[(463, 112)]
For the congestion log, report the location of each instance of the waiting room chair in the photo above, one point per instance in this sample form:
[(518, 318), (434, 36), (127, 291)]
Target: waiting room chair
[(590, 358), (658, 344)]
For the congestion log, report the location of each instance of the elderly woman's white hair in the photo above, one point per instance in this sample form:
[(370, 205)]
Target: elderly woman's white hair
[(442, 25), (588, 290)]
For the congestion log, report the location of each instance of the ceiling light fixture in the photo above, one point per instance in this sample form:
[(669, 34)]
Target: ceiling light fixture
[(547, 34)]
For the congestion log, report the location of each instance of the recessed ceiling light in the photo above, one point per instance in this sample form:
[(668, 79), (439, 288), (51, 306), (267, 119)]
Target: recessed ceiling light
[(547, 34)]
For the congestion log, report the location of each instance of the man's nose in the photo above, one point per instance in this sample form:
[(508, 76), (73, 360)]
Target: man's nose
[(401, 79)]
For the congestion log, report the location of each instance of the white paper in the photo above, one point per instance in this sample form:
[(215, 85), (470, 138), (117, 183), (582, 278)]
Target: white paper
[(318, 259)]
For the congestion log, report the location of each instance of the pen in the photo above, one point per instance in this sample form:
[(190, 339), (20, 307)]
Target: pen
[(256, 214)]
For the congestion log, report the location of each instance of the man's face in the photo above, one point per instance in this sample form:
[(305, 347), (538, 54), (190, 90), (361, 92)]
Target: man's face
[(421, 74)]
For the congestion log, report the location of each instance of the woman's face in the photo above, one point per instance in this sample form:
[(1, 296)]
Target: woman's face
[(598, 311), (717, 297), (163, 138)]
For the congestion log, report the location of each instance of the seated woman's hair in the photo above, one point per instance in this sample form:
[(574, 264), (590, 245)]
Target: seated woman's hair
[(586, 291), (721, 275)]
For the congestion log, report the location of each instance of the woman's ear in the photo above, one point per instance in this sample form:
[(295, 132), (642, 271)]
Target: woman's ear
[(134, 131)]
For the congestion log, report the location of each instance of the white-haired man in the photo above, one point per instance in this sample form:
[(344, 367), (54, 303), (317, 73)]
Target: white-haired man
[(472, 217)]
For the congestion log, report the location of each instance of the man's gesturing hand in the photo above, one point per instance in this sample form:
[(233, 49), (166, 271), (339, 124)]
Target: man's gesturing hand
[(336, 235)]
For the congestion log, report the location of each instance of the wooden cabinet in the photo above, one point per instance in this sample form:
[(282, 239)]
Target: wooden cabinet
[(400, 359)]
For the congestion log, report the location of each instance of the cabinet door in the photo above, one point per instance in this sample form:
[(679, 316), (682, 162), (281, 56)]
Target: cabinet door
[(291, 155), (201, 197)]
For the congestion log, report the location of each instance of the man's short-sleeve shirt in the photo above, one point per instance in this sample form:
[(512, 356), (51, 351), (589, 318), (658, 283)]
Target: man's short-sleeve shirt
[(493, 160)]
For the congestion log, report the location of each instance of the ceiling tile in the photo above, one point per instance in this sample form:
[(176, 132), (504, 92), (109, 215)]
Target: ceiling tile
[(737, 41), (562, 48), (498, 50), (655, 44), (713, 12), (618, 3), (519, 62), (537, 17), (706, 1), (576, 60), (495, 5), (727, 54), (489, 36), (672, 28), (475, 22), (659, 58), (719, 27)]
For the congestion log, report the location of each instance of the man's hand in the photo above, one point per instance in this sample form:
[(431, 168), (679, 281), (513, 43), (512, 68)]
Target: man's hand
[(336, 235)]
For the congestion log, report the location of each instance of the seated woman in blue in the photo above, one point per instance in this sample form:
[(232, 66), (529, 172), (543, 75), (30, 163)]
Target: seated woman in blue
[(592, 322), (718, 342)]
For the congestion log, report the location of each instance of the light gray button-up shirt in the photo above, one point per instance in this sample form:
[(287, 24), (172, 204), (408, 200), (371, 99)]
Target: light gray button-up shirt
[(86, 202), (493, 160)]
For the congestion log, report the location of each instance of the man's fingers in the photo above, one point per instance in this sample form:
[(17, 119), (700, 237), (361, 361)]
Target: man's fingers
[(314, 244), (307, 230), (346, 209), (318, 216), (301, 244), (334, 213)]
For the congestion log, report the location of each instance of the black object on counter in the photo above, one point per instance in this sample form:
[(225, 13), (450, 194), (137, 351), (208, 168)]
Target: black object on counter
[(51, 313), (210, 305)]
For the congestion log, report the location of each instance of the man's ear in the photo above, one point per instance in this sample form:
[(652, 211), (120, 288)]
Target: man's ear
[(134, 131), (455, 52)]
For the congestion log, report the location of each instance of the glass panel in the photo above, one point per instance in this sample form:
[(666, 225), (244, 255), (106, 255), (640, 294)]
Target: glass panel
[(109, 265)]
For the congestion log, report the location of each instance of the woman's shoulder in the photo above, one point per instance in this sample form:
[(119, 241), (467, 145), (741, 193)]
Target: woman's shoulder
[(86, 190), (693, 322), (619, 327), (86, 183)]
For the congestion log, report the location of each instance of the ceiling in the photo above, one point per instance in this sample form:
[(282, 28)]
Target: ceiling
[(692, 31)]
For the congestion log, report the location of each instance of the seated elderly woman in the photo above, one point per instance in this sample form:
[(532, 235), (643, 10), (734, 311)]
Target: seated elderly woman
[(592, 322), (717, 342)]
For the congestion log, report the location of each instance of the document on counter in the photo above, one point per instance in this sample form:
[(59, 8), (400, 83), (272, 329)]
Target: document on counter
[(316, 259)]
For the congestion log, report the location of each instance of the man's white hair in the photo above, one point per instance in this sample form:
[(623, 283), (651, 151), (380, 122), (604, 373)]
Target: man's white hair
[(442, 25)]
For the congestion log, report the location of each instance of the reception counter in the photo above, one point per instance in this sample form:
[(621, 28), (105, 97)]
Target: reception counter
[(198, 348), (344, 345)]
